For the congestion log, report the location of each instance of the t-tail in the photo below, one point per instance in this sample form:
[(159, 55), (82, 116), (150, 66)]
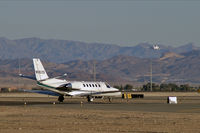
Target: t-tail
[(40, 72)]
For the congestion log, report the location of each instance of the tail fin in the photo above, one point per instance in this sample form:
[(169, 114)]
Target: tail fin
[(40, 72)]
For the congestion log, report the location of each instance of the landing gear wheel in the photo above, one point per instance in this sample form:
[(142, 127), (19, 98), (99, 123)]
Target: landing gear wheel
[(61, 99), (110, 99), (89, 99)]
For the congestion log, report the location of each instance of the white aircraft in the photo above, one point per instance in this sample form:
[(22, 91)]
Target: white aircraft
[(61, 87), (156, 47)]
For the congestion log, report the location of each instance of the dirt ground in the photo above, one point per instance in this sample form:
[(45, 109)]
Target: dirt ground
[(149, 115)]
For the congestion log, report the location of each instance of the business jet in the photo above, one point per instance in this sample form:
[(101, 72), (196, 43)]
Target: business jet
[(61, 87), (156, 47)]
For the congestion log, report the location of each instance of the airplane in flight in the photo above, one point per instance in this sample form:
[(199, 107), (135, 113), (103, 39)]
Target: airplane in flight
[(61, 87), (156, 47)]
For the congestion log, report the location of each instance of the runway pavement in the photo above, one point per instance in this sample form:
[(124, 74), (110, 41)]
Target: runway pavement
[(186, 104)]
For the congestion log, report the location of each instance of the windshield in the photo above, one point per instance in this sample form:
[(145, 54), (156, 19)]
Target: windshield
[(107, 85)]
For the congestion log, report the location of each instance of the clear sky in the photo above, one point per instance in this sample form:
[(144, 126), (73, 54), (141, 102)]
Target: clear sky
[(123, 22)]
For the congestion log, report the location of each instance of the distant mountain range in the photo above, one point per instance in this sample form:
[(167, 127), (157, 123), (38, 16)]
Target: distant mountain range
[(113, 63), (60, 51), (171, 67)]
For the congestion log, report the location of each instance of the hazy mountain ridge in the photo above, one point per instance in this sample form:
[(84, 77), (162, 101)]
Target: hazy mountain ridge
[(174, 68), (59, 51), (113, 63)]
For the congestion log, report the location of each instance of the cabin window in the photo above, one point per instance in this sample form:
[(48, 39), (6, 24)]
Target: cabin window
[(87, 85), (93, 85), (99, 85), (96, 85), (84, 85), (90, 85)]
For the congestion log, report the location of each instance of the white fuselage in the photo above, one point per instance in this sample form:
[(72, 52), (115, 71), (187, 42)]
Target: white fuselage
[(81, 88)]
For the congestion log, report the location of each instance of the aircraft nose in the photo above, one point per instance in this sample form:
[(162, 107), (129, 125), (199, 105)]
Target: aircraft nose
[(115, 89)]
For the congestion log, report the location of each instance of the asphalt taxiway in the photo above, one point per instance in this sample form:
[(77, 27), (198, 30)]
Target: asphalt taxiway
[(186, 104)]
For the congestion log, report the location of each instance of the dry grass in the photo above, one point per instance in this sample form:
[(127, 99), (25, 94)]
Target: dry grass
[(34, 119)]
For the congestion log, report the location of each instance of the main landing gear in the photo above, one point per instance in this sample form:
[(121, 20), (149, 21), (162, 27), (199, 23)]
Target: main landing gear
[(61, 99), (90, 99)]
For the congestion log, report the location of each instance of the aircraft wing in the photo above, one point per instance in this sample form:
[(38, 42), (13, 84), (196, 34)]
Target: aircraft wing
[(86, 93), (81, 93)]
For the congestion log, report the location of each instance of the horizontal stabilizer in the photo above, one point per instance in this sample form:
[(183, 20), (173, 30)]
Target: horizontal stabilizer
[(28, 77)]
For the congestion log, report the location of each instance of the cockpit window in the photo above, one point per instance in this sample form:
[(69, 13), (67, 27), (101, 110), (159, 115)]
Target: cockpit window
[(69, 85), (107, 85)]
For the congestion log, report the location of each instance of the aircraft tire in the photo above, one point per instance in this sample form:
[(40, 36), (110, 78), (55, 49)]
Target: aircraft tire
[(61, 99), (89, 99)]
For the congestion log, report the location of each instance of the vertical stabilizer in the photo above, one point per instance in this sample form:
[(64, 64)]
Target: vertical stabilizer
[(40, 72)]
